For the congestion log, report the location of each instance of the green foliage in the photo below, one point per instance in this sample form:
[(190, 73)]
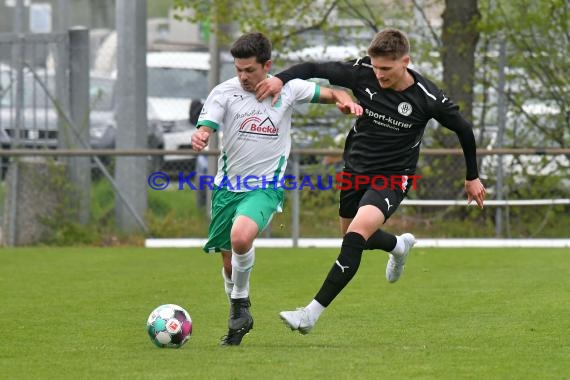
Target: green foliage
[(536, 36), (72, 233), (267, 17), (158, 8), (273, 18), (176, 213), (102, 201), (63, 226)]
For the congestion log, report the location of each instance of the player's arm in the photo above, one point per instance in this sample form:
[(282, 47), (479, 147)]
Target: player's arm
[(210, 118), (338, 73), (449, 116), (343, 100)]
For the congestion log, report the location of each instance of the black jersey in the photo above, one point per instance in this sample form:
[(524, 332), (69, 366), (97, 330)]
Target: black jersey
[(386, 139)]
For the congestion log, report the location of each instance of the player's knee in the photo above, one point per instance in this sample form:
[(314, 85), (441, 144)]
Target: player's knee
[(241, 244)]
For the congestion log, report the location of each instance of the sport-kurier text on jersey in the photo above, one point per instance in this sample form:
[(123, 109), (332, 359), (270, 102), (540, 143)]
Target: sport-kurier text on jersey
[(386, 138)]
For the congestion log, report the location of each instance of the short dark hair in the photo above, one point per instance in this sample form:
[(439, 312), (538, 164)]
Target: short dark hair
[(252, 45), (389, 42)]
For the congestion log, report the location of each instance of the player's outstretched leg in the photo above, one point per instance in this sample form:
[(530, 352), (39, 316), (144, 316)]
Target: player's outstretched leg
[(239, 323), (397, 260)]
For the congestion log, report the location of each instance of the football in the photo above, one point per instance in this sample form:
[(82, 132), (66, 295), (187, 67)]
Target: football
[(169, 326)]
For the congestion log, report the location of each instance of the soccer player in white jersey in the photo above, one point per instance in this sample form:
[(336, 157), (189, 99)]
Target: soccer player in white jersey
[(255, 147)]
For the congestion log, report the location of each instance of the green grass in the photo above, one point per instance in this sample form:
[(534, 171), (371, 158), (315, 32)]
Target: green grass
[(455, 314)]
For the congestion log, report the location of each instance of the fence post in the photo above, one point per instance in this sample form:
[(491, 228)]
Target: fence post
[(501, 121), (17, 62), (80, 167), (131, 112)]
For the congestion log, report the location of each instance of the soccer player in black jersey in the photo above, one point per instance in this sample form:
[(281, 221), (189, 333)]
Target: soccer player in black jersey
[(384, 142)]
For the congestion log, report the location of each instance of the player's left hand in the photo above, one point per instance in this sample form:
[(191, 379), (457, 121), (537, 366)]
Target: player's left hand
[(475, 191)]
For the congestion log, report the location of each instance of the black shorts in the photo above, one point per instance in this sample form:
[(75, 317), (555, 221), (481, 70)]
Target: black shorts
[(385, 194)]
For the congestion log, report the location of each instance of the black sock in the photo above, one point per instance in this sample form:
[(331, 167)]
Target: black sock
[(381, 240), (343, 269)]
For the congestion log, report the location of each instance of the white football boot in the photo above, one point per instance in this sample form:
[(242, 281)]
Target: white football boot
[(395, 265), (300, 320)]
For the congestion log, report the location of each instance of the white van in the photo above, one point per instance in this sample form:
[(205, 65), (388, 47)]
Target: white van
[(174, 81)]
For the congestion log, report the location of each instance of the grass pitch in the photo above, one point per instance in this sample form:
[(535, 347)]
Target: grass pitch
[(454, 314)]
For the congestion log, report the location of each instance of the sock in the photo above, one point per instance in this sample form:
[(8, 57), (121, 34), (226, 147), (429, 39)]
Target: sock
[(381, 240), (343, 269), (315, 309), (241, 269), (400, 246), (228, 283)]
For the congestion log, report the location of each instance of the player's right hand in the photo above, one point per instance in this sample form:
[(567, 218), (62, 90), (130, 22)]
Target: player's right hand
[(269, 87), (200, 140), (475, 192)]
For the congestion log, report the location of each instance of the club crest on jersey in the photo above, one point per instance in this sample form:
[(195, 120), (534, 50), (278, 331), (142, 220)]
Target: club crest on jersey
[(405, 108), (255, 126)]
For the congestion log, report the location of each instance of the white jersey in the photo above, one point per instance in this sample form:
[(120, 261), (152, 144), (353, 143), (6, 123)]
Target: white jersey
[(256, 137)]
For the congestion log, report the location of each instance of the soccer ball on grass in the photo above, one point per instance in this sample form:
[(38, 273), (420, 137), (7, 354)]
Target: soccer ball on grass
[(169, 326)]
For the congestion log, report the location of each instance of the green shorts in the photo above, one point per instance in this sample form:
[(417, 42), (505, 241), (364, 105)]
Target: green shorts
[(258, 205)]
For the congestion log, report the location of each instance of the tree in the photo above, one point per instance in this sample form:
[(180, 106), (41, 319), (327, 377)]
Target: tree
[(459, 37), (537, 34), (271, 17)]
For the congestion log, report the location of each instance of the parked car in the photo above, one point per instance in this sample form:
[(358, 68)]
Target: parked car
[(103, 127), (40, 118)]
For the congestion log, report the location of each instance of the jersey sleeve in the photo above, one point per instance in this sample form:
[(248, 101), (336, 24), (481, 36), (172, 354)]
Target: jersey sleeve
[(447, 114), (338, 73), (213, 111), (303, 91)]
